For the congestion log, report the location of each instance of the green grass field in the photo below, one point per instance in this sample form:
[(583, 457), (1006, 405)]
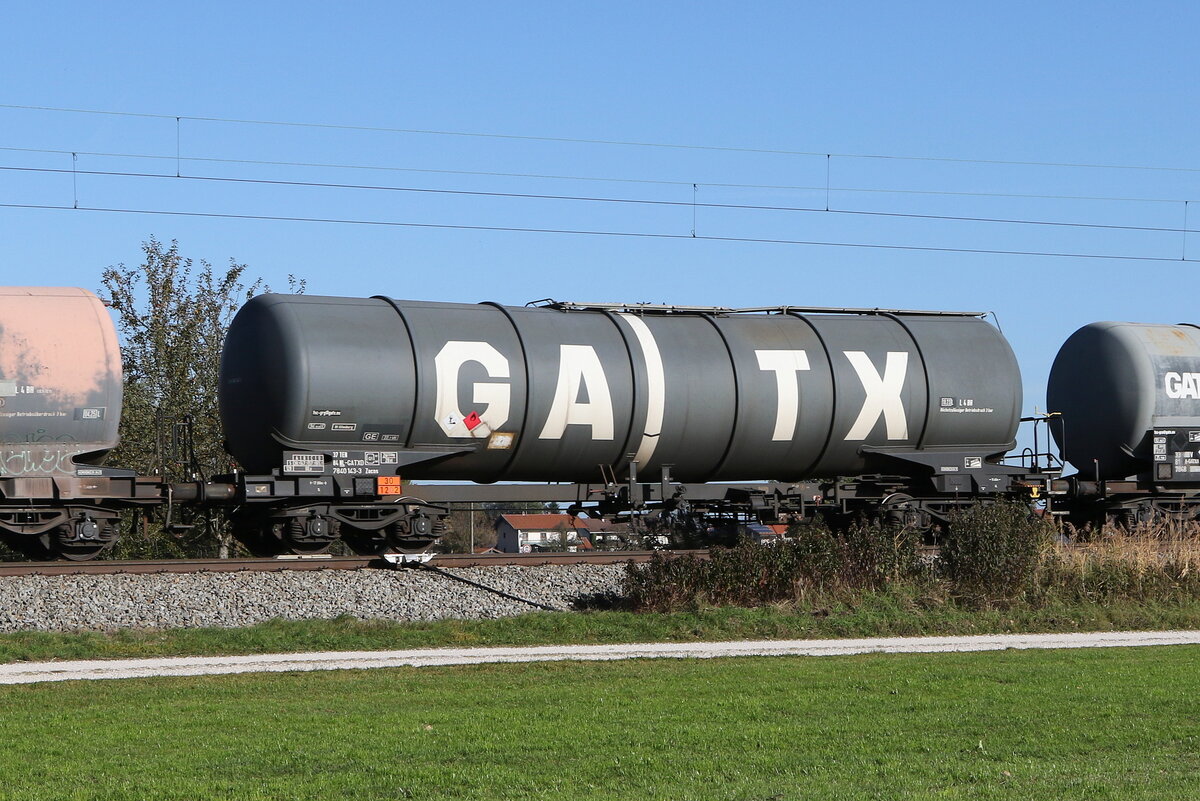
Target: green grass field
[(872, 614), (1104, 724)]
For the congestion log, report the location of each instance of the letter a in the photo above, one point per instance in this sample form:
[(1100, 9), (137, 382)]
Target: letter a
[(578, 366)]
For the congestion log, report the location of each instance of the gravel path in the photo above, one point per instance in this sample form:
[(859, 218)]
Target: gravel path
[(228, 600), (31, 672)]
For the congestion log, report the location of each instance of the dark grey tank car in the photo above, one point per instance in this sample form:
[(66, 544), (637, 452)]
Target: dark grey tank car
[(1129, 399), (376, 386)]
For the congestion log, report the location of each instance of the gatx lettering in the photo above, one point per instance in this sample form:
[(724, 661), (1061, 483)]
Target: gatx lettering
[(448, 364), (1182, 385), (579, 372), (786, 365), (882, 392), (579, 368), (582, 396), (883, 395)]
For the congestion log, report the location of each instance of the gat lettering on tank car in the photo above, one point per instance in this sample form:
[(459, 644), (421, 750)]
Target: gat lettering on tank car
[(1128, 399)]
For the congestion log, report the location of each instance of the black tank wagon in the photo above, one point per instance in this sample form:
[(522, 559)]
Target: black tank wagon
[(776, 414), (336, 397), (1128, 395)]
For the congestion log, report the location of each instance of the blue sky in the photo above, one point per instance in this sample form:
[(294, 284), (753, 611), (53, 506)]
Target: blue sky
[(964, 86)]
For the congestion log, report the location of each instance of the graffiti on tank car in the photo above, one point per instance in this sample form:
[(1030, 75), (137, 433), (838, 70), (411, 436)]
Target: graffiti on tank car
[(18, 461), (42, 436), (21, 460)]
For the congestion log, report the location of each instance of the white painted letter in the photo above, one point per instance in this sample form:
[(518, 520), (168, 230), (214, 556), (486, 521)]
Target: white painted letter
[(883, 395), (447, 365), (1182, 385), (656, 388), (785, 364), (578, 365)]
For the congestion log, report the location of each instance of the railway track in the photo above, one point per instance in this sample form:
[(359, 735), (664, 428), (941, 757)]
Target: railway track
[(322, 562)]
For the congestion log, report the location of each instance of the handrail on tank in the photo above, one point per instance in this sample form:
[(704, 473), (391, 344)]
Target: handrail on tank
[(1032, 458), (658, 308)]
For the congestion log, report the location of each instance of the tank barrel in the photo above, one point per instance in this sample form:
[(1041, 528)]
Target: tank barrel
[(446, 391), (203, 492)]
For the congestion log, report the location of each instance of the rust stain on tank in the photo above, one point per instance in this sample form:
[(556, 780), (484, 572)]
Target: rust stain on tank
[(60, 381), (1169, 340)]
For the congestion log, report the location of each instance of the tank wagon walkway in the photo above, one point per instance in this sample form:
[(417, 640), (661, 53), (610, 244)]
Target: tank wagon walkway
[(32, 672)]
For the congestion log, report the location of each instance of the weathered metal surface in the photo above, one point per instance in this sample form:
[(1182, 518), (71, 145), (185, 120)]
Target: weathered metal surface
[(60, 381), (1129, 398), (487, 393)]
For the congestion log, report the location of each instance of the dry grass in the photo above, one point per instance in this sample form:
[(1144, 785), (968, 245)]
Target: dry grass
[(1145, 544), (997, 557), (1156, 562)]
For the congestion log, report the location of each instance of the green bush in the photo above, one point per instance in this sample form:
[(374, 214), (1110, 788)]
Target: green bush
[(997, 556), (813, 564), (993, 553)]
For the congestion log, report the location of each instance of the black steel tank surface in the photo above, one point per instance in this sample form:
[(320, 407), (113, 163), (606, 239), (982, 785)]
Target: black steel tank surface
[(488, 392), (1129, 399), (60, 382)]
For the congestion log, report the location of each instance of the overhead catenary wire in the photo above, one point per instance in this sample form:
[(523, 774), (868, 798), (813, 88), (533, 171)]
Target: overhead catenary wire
[(829, 208), (1183, 256), (596, 178), (610, 142), (693, 204), (602, 233)]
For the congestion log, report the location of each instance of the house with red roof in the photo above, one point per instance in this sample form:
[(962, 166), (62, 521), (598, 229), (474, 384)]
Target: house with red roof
[(528, 533)]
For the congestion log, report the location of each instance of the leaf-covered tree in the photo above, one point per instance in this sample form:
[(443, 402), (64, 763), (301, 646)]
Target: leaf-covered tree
[(172, 315), (464, 533)]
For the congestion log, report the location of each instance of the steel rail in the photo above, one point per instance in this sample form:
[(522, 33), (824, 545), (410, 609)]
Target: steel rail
[(324, 562)]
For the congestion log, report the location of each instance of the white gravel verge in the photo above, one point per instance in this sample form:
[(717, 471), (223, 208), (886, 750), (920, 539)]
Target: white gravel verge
[(31, 672)]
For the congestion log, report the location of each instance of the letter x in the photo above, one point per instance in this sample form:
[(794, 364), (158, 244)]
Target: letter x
[(883, 395)]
